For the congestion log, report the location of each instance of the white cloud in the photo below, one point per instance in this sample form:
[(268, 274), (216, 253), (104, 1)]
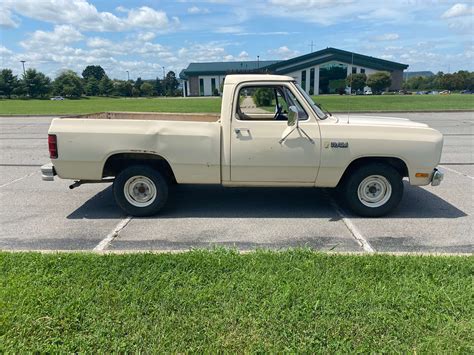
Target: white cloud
[(60, 36), (146, 36), (4, 51), (85, 16), (283, 53), (243, 55), (194, 10), (310, 4), (6, 19), (229, 29), (460, 18), (387, 37), (458, 10), (97, 42), (148, 18)]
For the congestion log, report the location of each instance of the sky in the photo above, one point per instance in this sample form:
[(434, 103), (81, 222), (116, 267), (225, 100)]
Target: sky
[(143, 36)]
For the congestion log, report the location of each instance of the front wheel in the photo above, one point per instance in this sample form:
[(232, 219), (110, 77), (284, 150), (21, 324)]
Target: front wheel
[(140, 191), (373, 190)]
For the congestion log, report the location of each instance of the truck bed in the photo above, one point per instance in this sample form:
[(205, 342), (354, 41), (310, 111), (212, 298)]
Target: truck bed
[(151, 116)]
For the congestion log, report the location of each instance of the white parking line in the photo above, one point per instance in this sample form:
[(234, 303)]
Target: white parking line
[(104, 243), (457, 172), (353, 229), (13, 181)]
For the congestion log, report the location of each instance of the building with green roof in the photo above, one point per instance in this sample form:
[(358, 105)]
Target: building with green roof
[(320, 72)]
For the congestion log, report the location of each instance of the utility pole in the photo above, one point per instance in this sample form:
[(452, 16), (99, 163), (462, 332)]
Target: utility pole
[(128, 76), (311, 45), (258, 62), (23, 63), (163, 73)]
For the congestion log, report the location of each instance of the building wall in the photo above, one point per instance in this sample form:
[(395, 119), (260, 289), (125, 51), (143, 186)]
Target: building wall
[(397, 80), (194, 86)]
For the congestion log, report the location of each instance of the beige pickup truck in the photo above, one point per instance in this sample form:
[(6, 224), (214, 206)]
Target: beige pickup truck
[(269, 133)]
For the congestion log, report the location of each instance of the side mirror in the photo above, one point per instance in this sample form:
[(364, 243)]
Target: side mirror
[(292, 116)]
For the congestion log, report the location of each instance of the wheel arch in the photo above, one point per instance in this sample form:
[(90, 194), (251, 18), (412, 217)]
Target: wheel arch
[(397, 163), (116, 162)]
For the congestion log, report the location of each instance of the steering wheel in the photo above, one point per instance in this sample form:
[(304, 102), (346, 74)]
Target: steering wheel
[(277, 114)]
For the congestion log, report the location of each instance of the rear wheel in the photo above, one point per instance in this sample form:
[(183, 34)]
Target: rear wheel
[(373, 190), (140, 191)]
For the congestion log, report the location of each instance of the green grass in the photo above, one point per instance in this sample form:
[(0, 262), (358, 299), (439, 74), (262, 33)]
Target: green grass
[(396, 102), (334, 103), (223, 301), (99, 104)]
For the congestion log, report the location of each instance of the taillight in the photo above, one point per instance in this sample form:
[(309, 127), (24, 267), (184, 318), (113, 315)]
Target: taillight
[(53, 146)]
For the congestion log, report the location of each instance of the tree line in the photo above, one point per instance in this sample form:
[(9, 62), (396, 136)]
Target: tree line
[(461, 80), (379, 81), (94, 82)]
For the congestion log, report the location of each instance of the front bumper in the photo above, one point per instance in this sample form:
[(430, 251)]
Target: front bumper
[(48, 172), (436, 177)]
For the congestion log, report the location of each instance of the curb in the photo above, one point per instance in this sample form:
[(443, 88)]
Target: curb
[(182, 251)]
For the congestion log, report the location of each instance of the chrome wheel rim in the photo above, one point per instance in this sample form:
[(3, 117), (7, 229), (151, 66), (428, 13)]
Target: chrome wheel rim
[(140, 191), (374, 191)]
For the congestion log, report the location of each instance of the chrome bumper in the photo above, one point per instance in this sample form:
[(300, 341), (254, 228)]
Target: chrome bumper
[(437, 177), (48, 172)]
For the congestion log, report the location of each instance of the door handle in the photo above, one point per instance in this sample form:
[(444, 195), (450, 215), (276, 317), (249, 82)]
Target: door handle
[(240, 130)]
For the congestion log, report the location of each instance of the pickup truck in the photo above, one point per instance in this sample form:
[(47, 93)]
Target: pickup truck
[(269, 133)]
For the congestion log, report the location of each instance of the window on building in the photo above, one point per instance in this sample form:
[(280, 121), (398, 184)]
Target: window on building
[(201, 87), (362, 70), (311, 81), (303, 79), (267, 103), (354, 70), (213, 86)]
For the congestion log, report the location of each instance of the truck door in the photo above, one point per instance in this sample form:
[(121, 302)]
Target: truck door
[(259, 121)]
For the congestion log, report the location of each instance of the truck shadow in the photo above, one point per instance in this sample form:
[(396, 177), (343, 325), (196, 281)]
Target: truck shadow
[(210, 201)]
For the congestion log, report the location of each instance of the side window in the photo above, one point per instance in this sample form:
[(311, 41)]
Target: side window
[(266, 103)]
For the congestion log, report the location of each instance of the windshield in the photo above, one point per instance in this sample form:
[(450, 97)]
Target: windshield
[(316, 108)]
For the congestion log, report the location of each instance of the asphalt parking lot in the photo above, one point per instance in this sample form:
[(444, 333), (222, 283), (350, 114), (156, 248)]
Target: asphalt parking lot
[(37, 215)]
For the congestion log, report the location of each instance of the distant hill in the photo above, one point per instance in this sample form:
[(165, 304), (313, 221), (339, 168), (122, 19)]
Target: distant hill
[(411, 74)]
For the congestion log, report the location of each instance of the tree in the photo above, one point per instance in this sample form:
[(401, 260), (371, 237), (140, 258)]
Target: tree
[(356, 81), (146, 89), (36, 84), (170, 84), (8, 82), (68, 84), (106, 86), (124, 88), (158, 86), (379, 81), (92, 87), (95, 71), (135, 92)]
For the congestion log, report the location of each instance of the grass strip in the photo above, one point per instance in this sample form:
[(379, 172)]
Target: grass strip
[(334, 103), (220, 300)]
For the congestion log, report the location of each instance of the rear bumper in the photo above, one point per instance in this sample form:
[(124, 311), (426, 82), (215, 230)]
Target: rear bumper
[(48, 172), (436, 177)]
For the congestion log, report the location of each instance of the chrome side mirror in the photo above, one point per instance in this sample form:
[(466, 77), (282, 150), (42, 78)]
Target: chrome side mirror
[(292, 116)]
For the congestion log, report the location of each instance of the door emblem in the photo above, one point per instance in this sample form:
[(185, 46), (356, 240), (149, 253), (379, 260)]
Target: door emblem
[(339, 144)]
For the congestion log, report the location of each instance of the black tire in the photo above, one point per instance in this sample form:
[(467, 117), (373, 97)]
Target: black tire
[(148, 180), (370, 174)]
